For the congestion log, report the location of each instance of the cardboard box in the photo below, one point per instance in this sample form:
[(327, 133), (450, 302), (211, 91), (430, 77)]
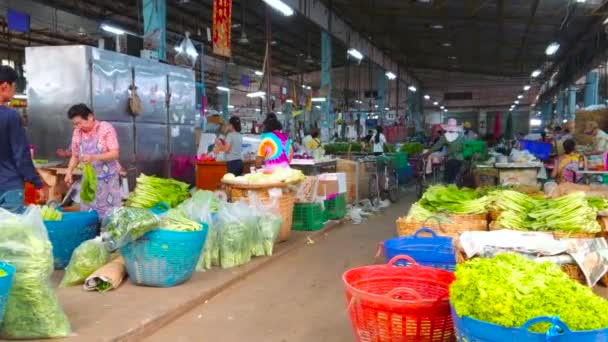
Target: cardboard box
[(331, 184)]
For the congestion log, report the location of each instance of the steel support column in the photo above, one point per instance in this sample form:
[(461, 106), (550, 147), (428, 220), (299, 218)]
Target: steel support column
[(591, 88), (571, 103)]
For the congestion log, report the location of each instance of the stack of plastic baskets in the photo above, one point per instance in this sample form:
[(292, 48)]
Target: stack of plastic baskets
[(5, 286), (433, 251), (335, 208), (540, 150), (473, 330), (163, 258), (308, 216), (393, 304), (68, 233)]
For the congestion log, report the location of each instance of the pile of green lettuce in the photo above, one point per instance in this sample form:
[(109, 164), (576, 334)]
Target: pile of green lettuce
[(450, 199), (150, 190), (265, 234), (510, 289), (123, 225)]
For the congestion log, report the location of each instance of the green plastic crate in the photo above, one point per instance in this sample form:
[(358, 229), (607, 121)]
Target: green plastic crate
[(400, 159), (308, 216), (335, 208)]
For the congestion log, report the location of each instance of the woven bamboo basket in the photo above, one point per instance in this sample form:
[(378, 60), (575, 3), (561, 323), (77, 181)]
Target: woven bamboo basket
[(285, 206), (572, 270), (493, 214), (458, 224)]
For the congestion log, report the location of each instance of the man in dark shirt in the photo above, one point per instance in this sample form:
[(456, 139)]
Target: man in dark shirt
[(16, 166)]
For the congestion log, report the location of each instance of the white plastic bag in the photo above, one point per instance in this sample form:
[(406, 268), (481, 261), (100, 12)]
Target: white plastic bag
[(32, 308), (236, 225)]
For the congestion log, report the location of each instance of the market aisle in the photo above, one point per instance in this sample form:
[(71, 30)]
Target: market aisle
[(298, 298)]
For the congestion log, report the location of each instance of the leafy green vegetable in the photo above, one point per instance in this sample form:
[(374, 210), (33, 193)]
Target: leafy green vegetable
[(176, 220), (597, 203), (268, 229), (211, 251), (338, 148), (103, 286), (123, 225), (412, 148), (32, 309), (89, 184), (151, 190), (235, 244), (570, 213), (509, 290), (389, 148), (2, 273), (420, 213), (86, 259), (450, 199), (51, 214)]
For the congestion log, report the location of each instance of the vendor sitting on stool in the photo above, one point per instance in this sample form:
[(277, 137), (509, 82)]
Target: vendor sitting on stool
[(600, 139), (567, 164), (454, 141)]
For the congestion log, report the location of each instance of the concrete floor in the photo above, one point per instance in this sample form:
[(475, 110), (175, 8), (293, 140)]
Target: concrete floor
[(298, 298)]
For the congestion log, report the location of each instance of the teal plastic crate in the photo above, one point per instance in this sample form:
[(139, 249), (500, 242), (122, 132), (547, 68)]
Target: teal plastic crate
[(308, 216), (335, 208), (474, 147)]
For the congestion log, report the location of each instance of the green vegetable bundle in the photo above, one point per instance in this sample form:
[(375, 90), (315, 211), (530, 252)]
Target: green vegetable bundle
[(123, 225), (509, 290), (450, 199), (340, 148), (570, 213), (235, 244), (211, 251), (268, 229), (175, 220), (151, 190), (89, 184), (86, 259), (51, 214), (412, 148), (32, 309)]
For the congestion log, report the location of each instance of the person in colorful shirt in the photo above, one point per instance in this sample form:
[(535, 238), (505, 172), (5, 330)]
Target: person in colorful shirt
[(275, 149), (96, 142), (567, 164)]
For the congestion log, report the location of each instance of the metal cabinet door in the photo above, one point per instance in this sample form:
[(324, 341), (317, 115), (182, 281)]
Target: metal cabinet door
[(111, 78), (151, 82), (182, 103), (152, 148)]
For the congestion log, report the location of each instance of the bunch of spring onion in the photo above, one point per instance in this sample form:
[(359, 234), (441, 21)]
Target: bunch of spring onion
[(450, 199), (420, 213), (175, 220), (570, 213)]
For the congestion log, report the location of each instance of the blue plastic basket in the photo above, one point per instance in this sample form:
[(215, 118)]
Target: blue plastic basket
[(540, 150), (473, 330), (69, 233), (164, 258), (5, 286), (434, 251)]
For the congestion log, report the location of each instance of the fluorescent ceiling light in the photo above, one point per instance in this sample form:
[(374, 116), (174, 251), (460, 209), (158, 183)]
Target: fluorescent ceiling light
[(230, 107), (358, 101), (318, 107), (256, 94), (390, 75), (605, 21), (304, 86), (516, 102), (257, 110), (437, 27), (452, 57), (375, 106), (20, 97), (289, 101), (520, 96), (308, 87), (224, 89), (535, 122), (279, 113), (442, 107), (552, 49), (426, 97), (536, 73), (445, 110), (355, 53), (526, 87), (318, 99), (436, 103), (581, 1), (112, 29), (564, 121), (280, 6), (447, 44), (386, 108), (259, 73), (412, 88)]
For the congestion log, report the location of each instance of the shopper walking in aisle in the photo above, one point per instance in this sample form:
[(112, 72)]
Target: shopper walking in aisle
[(568, 164), (453, 140), (469, 134), (96, 142), (378, 141), (232, 146), (16, 166), (275, 149)]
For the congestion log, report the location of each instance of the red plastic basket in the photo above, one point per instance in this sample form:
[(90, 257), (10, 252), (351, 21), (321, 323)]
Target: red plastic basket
[(389, 303)]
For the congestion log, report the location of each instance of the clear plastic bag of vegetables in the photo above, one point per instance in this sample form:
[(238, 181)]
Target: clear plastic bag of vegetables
[(236, 225), (87, 258), (123, 225), (32, 309), (268, 225)]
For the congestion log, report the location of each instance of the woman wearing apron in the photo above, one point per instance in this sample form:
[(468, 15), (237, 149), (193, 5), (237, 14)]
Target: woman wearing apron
[(95, 142)]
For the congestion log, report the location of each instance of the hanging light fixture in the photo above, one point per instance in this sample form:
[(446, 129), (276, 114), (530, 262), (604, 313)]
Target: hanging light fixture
[(552, 49), (536, 73), (280, 6)]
